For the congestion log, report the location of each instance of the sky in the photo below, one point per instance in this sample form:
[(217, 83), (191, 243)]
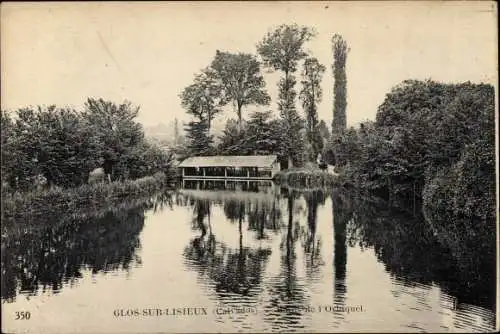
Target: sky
[(146, 53)]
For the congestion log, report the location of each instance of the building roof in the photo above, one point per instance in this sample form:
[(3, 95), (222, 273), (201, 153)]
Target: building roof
[(230, 161)]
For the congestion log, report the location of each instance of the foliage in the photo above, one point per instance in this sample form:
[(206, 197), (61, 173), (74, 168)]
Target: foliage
[(310, 96), (420, 128), (240, 80), (340, 51), (231, 139), (306, 178), (203, 97), (62, 145), (433, 144), (282, 49), (28, 206), (261, 135), (198, 138)]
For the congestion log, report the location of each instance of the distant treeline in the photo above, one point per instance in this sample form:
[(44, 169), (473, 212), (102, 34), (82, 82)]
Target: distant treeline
[(62, 145), (433, 143)]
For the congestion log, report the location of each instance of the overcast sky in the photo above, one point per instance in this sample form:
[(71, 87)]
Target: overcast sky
[(148, 52)]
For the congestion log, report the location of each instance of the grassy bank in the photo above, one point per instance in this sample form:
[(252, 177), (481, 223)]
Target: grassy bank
[(307, 177), (22, 205)]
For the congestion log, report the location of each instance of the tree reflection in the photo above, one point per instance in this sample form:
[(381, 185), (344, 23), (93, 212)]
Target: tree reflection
[(312, 245), (264, 215), (342, 214), (237, 271), (410, 250), (287, 297), (49, 257)]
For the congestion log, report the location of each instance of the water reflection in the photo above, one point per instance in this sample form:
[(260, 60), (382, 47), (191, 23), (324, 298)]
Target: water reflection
[(56, 250), (342, 214), (287, 291), (236, 271), (410, 251), (312, 243), (51, 258), (251, 244)]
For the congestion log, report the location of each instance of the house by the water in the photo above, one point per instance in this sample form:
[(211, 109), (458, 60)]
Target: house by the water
[(235, 167)]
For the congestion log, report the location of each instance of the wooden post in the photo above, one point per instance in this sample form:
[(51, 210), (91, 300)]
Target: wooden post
[(183, 172), (225, 172), (248, 173), (203, 171)]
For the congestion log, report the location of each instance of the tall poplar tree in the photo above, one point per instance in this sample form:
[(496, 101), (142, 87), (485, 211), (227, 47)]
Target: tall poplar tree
[(340, 51)]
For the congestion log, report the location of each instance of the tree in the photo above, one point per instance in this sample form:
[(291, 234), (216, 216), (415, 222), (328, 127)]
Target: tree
[(232, 138), (8, 148), (324, 131), (176, 131), (261, 136), (240, 79), (281, 50), (199, 140), (340, 51), (118, 131), (311, 95), (203, 97)]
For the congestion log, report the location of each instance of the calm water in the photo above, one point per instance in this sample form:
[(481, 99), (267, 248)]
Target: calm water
[(244, 258)]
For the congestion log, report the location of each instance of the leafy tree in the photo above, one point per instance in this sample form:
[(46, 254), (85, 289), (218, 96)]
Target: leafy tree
[(117, 129), (68, 147), (241, 80), (203, 97), (144, 159), (261, 136), (340, 51), (311, 95), (9, 148), (199, 141), (281, 50), (232, 138)]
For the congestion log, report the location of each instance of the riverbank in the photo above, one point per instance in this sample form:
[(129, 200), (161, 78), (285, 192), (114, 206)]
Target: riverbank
[(307, 177), (23, 205)]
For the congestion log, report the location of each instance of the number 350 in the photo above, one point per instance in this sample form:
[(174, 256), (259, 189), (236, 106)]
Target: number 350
[(23, 315)]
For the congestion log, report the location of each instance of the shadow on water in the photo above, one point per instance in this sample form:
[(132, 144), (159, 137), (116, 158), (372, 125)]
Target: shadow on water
[(60, 247)]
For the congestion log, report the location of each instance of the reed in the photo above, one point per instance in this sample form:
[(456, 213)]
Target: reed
[(94, 196), (306, 178)]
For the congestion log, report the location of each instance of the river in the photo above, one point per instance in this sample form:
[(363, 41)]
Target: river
[(240, 257)]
